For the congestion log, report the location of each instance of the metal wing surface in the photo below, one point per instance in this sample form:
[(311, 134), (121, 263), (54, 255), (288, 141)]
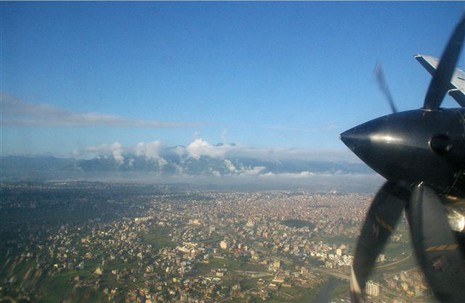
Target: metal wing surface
[(457, 83)]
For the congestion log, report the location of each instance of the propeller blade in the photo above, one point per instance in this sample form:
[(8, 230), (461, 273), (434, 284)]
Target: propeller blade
[(435, 245), (384, 87), (457, 84), (440, 83), (381, 220)]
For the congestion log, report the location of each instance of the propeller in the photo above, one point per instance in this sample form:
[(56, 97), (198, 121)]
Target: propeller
[(439, 257), (384, 87), (382, 218), (439, 85), (436, 246)]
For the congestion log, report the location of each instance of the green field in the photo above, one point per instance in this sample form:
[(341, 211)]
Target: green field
[(159, 237)]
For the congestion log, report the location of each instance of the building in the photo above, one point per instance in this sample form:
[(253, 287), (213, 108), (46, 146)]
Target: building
[(372, 289), (224, 245)]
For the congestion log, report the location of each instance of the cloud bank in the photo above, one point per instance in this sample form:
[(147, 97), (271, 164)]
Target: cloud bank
[(18, 113), (198, 163), (202, 158)]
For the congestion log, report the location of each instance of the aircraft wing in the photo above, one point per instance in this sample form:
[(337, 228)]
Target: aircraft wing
[(457, 83)]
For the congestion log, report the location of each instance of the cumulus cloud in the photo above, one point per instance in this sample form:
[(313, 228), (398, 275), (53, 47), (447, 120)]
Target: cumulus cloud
[(200, 148), (243, 170), (148, 150), (18, 113), (179, 151), (114, 150), (230, 166), (117, 153), (151, 151)]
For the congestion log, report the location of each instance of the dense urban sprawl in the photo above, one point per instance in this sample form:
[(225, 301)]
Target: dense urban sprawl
[(139, 244)]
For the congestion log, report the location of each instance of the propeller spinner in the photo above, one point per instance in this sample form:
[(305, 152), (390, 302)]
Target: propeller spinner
[(421, 153)]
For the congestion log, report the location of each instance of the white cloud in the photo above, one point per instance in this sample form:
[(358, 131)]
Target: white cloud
[(179, 151), (139, 149), (114, 150), (230, 166), (151, 151), (201, 147), (17, 113), (243, 171), (117, 153), (253, 171)]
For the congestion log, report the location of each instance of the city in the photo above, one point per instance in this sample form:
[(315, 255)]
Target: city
[(223, 151), (81, 241)]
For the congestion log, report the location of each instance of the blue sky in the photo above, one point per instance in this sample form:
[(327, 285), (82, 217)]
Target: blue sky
[(266, 75)]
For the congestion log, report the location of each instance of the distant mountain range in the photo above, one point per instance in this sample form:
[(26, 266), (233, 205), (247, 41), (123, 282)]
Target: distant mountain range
[(171, 165), (204, 166)]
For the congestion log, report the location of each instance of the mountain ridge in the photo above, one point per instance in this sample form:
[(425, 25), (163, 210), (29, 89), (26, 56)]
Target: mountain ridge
[(225, 171)]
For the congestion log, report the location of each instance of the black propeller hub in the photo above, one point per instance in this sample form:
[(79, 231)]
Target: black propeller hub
[(412, 146)]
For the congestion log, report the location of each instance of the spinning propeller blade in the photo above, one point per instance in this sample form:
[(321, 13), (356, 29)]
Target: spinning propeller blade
[(381, 219), (435, 245), (384, 87), (441, 80)]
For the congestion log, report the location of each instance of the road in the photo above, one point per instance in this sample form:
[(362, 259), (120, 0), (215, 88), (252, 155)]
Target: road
[(393, 263), (347, 277), (332, 273)]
